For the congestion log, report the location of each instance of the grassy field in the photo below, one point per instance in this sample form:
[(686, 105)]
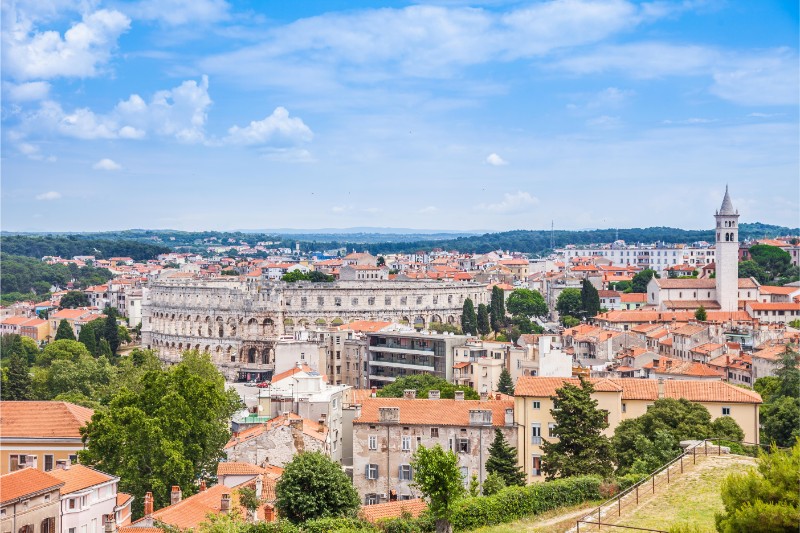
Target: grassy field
[(692, 498), (555, 521)]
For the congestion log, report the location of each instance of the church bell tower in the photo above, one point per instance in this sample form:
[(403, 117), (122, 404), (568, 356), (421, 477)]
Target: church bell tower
[(727, 255)]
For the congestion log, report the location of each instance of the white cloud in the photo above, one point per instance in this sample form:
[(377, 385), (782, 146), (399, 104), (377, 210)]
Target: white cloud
[(179, 12), (106, 164), (604, 122), (495, 160), (26, 92), (32, 54), (428, 210), (277, 127), (769, 78), (180, 112), (49, 195), (512, 203), (340, 209)]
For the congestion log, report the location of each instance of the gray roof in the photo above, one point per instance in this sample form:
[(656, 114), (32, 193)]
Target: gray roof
[(727, 206)]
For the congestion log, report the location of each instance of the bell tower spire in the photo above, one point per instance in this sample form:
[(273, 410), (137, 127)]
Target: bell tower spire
[(727, 255)]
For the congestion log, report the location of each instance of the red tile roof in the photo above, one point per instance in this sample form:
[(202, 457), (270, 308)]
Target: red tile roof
[(645, 389), (42, 419), (24, 482), (374, 513), (433, 412), (368, 326), (79, 477), (233, 468)]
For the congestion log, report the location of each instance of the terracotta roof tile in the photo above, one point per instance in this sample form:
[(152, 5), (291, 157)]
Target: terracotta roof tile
[(233, 468), (364, 325), (26, 481), (373, 513), (433, 412), (42, 419), (123, 498), (80, 477)]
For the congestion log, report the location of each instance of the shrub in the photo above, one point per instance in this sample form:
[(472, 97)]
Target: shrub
[(281, 526), (340, 525), (627, 481)]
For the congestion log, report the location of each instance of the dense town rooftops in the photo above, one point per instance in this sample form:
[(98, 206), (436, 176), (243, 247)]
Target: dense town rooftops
[(79, 477), (644, 389), (26, 482), (42, 419)]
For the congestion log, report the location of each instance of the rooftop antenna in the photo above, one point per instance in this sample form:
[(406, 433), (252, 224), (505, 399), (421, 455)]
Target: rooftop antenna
[(552, 236)]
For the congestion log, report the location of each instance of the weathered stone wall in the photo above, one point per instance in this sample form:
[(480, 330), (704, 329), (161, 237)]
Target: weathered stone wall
[(276, 447)]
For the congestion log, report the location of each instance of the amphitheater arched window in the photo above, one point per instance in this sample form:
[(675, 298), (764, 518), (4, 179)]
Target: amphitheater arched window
[(251, 356), (387, 300), (404, 300), (252, 326), (220, 327), (419, 300)]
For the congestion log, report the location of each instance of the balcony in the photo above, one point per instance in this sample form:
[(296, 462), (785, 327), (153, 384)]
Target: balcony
[(396, 364), (373, 377), (396, 348)]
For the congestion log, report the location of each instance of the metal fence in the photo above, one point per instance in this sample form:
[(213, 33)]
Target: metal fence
[(629, 498)]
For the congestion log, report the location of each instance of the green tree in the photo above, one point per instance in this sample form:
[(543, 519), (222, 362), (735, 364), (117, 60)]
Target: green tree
[(726, 428), (525, 325), (11, 343), (312, 486), (569, 321), (493, 484), (111, 333), (772, 259), (497, 309), (170, 431), (74, 299), (621, 286), (61, 349), (569, 302), (469, 320), (381, 261), (83, 375), (780, 420), (438, 478), (503, 461), (701, 314), (484, 326), (581, 448), (423, 383), (788, 373), (590, 299), (751, 269), (88, 337), (640, 280), (765, 499), (474, 486), (527, 303), (505, 383), (18, 385), (64, 331)]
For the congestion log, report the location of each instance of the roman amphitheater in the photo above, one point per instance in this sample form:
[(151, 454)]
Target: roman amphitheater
[(239, 322)]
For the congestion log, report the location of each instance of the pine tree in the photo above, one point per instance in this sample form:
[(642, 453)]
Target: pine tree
[(88, 337), (590, 299), (469, 320), (483, 320), (111, 333), (64, 331), (581, 448), (497, 309), (700, 314), (18, 385), (503, 461), (104, 350), (505, 384)]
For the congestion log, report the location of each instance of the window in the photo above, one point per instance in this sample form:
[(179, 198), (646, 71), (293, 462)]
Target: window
[(405, 473), (371, 499), (354, 301), (72, 503), (48, 462), (726, 411), (537, 405), (624, 408), (434, 433), (320, 301), (403, 300), (73, 459), (551, 428), (371, 301), (537, 466), (373, 442), (406, 443), (387, 301), (463, 445), (464, 475), (536, 433), (303, 301), (48, 525), (371, 471)]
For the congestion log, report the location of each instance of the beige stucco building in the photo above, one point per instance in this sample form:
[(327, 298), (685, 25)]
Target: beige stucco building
[(622, 398), (29, 502)]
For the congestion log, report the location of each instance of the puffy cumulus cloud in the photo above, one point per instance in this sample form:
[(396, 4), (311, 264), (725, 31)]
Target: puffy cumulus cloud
[(511, 203), (180, 112), (495, 160), (107, 164), (277, 128), (32, 54), (26, 92), (49, 195), (179, 12)]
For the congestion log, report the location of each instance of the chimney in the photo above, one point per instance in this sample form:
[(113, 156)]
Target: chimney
[(727, 360), (389, 415), (498, 396), (109, 524), (225, 503), (296, 423), (409, 394), (433, 394), (259, 486), (509, 418), (176, 495), (484, 396), (660, 388), (148, 504), (374, 392), (459, 395), (202, 485)]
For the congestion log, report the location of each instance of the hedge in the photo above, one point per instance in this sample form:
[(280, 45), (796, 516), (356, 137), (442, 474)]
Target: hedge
[(513, 503), (321, 525)]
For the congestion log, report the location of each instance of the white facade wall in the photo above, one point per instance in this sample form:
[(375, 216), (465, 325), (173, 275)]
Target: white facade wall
[(89, 507)]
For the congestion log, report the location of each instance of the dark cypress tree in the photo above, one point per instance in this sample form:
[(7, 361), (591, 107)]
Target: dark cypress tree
[(581, 449), (497, 309), (111, 333), (19, 384), (505, 384), (104, 349), (503, 461), (64, 331), (701, 314), (469, 320), (484, 327), (590, 299), (88, 337)]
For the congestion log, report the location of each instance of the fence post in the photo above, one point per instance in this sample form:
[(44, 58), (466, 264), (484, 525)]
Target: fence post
[(598, 519), (579, 526), (654, 483), (706, 447), (719, 447), (637, 495), (694, 453), (681, 464), (619, 505), (667, 475)]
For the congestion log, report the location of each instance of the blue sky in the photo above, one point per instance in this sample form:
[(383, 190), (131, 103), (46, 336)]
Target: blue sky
[(214, 114)]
